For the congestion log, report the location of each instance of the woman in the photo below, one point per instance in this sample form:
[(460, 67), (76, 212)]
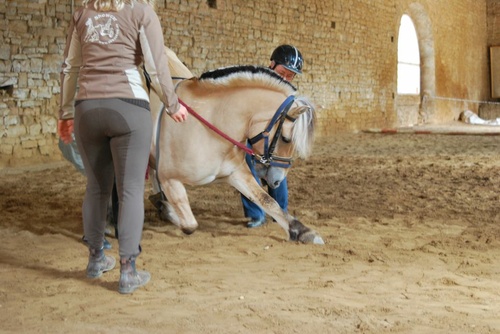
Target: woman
[(109, 43)]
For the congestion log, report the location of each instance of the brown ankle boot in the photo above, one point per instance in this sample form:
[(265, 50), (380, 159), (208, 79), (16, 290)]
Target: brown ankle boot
[(130, 278), (99, 263)]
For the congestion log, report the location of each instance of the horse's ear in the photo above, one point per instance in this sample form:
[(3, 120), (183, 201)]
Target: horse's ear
[(297, 111)]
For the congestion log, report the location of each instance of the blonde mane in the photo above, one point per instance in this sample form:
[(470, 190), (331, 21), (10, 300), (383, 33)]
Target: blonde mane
[(246, 76), (304, 128)]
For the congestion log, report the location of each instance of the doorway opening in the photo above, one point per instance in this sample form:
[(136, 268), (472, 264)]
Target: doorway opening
[(408, 58), (416, 74)]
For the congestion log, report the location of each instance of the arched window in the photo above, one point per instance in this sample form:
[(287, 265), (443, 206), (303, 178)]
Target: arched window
[(408, 58)]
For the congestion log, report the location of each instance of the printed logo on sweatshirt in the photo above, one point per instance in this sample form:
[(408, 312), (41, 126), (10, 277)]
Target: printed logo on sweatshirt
[(102, 29)]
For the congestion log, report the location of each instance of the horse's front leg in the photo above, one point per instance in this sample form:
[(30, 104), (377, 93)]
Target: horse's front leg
[(177, 205), (245, 183)]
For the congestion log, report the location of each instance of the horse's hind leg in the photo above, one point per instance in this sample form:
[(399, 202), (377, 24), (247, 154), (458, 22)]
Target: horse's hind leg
[(178, 204)]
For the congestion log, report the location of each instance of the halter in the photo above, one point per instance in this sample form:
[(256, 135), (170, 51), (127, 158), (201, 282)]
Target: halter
[(268, 159)]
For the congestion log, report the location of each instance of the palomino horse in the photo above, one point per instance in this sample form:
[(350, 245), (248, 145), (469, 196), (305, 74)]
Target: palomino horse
[(240, 103)]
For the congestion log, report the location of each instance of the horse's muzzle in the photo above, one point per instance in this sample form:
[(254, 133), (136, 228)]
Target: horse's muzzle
[(274, 176)]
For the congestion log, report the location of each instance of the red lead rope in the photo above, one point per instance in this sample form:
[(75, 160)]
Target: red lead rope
[(213, 128)]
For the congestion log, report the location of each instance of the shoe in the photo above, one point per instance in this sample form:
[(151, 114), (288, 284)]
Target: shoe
[(256, 222), (130, 278), (105, 243), (99, 263)]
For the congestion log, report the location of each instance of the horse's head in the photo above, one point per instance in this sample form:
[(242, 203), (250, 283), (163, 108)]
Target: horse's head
[(289, 133), (277, 130)]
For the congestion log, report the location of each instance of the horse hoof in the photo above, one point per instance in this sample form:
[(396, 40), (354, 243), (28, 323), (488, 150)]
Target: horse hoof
[(188, 231), (311, 237), (318, 240)]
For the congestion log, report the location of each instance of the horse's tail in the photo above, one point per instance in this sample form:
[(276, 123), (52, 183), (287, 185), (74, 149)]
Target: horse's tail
[(176, 66)]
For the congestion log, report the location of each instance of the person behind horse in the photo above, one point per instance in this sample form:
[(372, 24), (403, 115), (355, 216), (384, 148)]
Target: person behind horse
[(286, 61), (107, 44)]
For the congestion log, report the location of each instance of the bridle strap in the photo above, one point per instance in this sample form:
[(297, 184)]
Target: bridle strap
[(157, 153), (284, 106), (280, 115), (277, 134)]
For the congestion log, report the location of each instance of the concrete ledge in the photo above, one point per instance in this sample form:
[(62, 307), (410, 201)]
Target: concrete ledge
[(454, 128)]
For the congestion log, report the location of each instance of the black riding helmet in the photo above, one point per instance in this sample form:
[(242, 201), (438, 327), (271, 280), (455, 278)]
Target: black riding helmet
[(289, 57)]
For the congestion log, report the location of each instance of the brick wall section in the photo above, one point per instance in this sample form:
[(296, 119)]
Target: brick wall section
[(492, 111), (350, 51), (462, 70), (349, 56), (31, 44), (493, 14)]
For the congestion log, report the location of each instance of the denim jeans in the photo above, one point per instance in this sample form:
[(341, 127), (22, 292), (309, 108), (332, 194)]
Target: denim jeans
[(280, 195)]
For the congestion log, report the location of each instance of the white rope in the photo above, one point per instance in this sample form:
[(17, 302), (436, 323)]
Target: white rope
[(461, 100)]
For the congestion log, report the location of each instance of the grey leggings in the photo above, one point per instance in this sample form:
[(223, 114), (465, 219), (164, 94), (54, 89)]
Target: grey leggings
[(114, 138)]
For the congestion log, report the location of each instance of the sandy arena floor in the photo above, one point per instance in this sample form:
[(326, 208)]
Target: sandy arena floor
[(411, 225)]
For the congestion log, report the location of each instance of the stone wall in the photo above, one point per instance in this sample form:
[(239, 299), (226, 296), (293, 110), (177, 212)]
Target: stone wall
[(493, 14), (350, 51), (31, 44), (492, 110)]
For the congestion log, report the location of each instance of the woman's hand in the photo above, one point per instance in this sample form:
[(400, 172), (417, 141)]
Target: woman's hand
[(180, 115), (65, 130)]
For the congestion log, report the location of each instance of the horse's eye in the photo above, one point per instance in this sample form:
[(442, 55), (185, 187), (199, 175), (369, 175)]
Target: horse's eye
[(286, 140)]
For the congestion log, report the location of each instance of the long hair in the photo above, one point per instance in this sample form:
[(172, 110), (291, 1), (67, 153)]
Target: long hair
[(114, 5)]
